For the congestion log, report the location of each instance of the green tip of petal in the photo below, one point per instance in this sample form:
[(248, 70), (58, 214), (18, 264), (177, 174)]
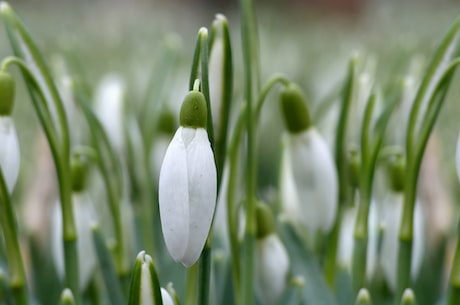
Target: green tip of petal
[(294, 108), (7, 89), (67, 297), (408, 297), (193, 112), (396, 172), (364, 298), (265, 221)]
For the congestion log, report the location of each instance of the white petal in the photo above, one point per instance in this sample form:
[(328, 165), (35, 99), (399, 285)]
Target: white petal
[(166, 297), (272, 266), (316, 180), (109, 106), (216, 79), (202, 179), (85, 216), (146, 283), (288, 190), (9, 152), (173, 196)]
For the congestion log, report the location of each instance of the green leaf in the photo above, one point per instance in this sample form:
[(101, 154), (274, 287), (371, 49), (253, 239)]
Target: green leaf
[(107, 267), (304, 264)]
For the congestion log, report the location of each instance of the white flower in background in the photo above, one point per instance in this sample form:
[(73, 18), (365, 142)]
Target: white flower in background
[(272, 267), (109, 108), (84, 217), (188, 184), (9, 152), (392, 208), (216, 78), (9, 145), (308, 181), (346, 239), (272, 263)]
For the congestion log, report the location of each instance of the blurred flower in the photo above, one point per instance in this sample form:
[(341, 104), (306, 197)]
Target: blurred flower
[(309, 183), (272, 263), (272, 267), (109, 108), (188, 184)]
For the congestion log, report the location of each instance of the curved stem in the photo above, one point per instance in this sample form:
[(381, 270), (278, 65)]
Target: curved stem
[(62, 163)]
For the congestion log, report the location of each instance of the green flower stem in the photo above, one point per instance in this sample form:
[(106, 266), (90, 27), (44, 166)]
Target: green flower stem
[(414, 161), (232, 213), (61, 158), (341, 163), (227, 92), (369, 154), (251, 72), (281, 79), (453, 297), (192, 285), (204, 274), (13, 252)]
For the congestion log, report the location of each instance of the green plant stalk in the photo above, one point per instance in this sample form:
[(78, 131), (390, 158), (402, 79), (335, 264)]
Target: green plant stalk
[(276, 79), (17, 276), (226, 98), (413, 168), (204, 274), (341, 161), (453, 296), (248, 41), (192, 285), (231, 211)]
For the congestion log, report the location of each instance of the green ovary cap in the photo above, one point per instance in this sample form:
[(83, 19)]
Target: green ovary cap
[(265, 221), (193, 112), (79, 169), (396, 173), (294, 108), (6, 93)]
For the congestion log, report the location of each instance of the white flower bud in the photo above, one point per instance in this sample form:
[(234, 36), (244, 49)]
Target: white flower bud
[(187, 194), (272, 267), (309, 183), (84, 218), (9, 152)]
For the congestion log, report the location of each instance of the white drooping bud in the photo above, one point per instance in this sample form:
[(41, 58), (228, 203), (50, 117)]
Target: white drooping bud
[(9, 152), (272, 263), (85, 217), (109, 108), (272, 267), (309, 183), (188, 184)]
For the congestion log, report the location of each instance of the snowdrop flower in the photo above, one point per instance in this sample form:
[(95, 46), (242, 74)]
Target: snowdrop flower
[(84, 214), (309, 183), (272, 263), (144, 283), (188, 184), (9, 145)]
